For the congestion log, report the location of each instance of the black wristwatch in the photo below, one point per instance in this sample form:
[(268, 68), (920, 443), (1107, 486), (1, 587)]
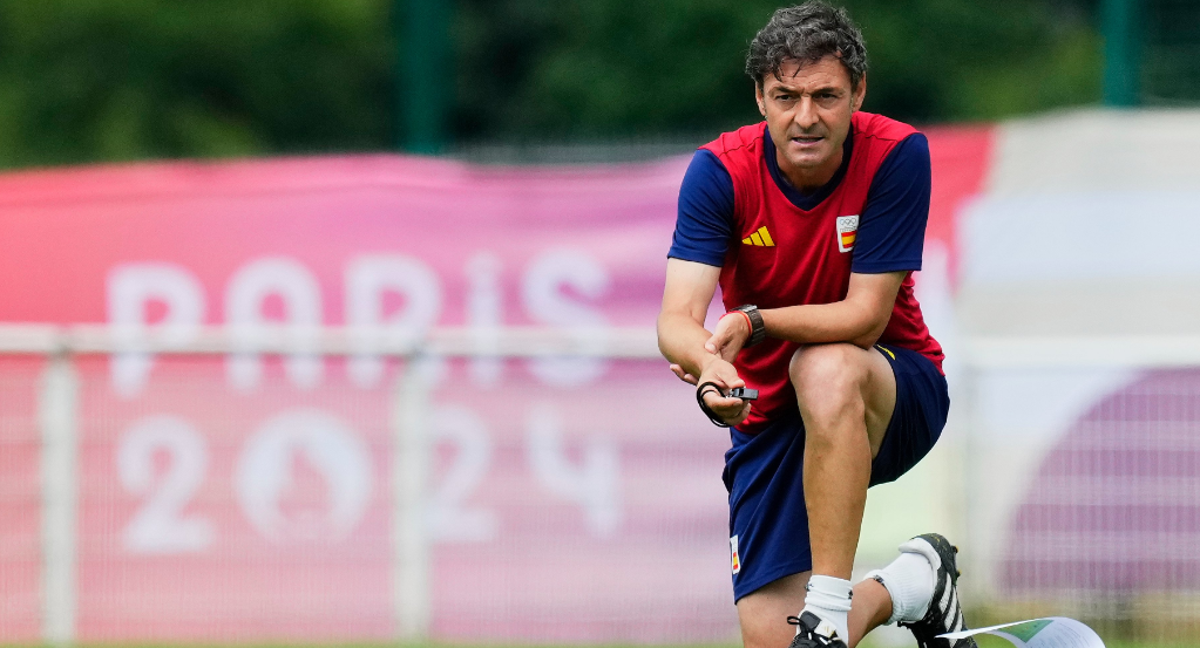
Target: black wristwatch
[(758, 330)]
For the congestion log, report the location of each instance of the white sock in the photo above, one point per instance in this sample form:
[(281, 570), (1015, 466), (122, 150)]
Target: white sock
[(829, 599), (910, 580)]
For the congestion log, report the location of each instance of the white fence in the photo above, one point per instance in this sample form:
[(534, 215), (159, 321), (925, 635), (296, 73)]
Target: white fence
[(1069, 473), (1083, 480)]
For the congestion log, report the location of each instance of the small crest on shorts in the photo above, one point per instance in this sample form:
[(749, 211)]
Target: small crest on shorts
[(733, 550), (847, 231)]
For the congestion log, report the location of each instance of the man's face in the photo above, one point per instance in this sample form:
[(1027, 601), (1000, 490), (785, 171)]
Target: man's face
[(808, 111)]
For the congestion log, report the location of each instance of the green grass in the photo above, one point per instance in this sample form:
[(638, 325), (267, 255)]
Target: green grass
[(984, 642)]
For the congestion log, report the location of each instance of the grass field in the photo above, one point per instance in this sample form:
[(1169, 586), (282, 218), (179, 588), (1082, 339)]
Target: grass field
[(996, 642), (984, 642)]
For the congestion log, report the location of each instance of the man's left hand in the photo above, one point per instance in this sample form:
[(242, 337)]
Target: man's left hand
[(683, 375)]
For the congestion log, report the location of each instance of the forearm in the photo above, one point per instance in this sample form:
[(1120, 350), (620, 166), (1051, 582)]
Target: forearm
[(843, 321), (859, 319), (681, 341)]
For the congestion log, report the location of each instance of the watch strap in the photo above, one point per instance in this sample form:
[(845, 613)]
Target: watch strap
[(758, 330)]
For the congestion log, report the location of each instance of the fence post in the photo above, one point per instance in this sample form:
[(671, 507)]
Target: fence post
[(1122, 52), (410, 474), (59, 422), (424, 85), (981, 546)]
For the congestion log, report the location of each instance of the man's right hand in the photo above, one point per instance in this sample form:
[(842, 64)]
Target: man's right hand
[(731, 410)]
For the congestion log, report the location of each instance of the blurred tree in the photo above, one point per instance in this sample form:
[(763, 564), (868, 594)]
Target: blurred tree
[(1171, 55), (90, 80), (601, 68), (99, 80)]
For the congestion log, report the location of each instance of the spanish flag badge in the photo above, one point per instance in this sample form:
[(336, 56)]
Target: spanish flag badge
[(847, 231)]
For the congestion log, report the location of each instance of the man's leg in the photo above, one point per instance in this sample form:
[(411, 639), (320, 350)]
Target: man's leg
[(763, 614), (826, 378), (846, 396)]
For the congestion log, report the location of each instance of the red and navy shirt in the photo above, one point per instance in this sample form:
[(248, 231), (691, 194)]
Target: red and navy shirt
[(779, 247)]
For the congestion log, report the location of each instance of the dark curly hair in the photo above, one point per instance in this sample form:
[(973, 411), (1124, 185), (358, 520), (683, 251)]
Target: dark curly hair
[(807, 33)]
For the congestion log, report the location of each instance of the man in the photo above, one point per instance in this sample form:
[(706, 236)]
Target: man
[(812, 224)]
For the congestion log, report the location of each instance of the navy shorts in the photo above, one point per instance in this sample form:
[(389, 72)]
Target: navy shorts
[(768, 522)]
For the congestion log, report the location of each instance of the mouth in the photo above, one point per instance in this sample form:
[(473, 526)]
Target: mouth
[(807, 140)]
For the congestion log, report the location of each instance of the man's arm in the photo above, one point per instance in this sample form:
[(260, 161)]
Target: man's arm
[(689, 289), (859, 319)]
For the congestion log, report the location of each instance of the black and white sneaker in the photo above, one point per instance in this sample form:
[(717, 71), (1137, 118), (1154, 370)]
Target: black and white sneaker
[(812, 632), (945, 612)]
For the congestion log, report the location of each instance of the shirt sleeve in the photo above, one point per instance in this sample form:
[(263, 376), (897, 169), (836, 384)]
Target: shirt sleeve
[(704, 222), (891, 231)]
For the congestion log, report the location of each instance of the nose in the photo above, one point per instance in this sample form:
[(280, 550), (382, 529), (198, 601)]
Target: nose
[(806, 113)]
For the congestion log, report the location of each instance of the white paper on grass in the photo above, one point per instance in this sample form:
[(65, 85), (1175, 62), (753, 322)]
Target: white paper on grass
[(1050, 632)]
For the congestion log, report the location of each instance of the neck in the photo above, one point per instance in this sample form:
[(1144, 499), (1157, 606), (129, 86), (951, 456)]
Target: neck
[(808, 180)]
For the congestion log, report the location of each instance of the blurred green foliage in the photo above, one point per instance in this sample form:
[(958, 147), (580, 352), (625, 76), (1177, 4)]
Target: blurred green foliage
[(113, 80), (604, 68), (1171, 54)]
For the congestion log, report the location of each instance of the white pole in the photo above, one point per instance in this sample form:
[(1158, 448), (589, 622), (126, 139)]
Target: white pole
[(410, 475), (980, 541), (58, 418)]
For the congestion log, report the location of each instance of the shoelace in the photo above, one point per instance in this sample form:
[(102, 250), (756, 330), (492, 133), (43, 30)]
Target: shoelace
[(809, 634)]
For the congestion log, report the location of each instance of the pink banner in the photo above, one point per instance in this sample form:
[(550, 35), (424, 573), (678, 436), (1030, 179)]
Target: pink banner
[(251, 498), (20, 501)]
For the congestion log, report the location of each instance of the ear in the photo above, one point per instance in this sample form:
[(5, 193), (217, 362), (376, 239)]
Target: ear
[(758, 98), (861, 93)]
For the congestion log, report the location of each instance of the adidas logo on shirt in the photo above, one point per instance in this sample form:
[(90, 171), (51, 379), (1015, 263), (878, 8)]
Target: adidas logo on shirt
[(761, 238)]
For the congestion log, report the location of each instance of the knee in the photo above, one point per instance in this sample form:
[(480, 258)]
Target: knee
[(829, 379)]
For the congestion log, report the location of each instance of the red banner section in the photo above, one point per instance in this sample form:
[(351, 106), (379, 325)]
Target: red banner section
[(244, 497), (959, 157)]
